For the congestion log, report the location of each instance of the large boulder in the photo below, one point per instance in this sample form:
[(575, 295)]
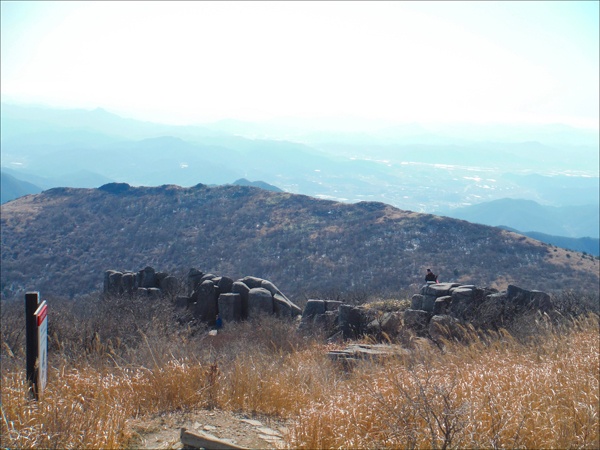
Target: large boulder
[(169, 285), (224, 285), (332, 305), (417, 321), (391, 323), (252, 282), (416, 302), (128, 281), (283, 307), (442, 304), (148, 278), (260, 301), (313, 307), (243, 290), (206, 302), (113, 283), (528, 300), (438, 289), (208, 276), (320, 313), (463, 301), (352, 321), (194, 279), (230, 307), (428, 303)]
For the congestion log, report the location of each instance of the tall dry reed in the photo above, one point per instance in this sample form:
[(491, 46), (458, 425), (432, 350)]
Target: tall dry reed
[(497, 395), (491, 393)]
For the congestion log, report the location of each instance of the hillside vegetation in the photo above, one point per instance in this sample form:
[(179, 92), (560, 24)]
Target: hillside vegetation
[(109, 369), (61, 241)]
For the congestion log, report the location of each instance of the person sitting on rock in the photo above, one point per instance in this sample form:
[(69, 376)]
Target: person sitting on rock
[(430, 277)]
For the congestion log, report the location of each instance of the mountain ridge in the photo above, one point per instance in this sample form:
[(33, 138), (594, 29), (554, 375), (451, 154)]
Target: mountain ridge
[(62, 240)]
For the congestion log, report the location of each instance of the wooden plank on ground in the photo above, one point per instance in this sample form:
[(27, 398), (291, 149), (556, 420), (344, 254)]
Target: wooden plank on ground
[(197, 439)]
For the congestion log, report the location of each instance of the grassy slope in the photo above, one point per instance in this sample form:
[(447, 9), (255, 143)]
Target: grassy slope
[(492, 393)]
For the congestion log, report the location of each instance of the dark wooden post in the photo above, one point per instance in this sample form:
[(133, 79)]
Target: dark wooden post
[(32, 300)]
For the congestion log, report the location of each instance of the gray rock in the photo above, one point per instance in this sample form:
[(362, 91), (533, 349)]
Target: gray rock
[(169, 285), (438, 290), (352, 321), (194, 279), (241, 288), (312, 308), (115, 283), (416, 302), (327, 321), (206, 302), (391, 323), (225, 284), (281, 307), (107, 285), (260, 301), (269, 287), (442, 305), (149, 279), (463, 302), (128, 280), (230, 307), (252, 282), (417, 321), (428, 303), (332, 305), (284, 307), (524, 299), (541, 300), (160, 276)]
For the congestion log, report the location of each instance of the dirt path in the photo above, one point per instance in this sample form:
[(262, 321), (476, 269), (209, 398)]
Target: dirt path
[(163, 432)]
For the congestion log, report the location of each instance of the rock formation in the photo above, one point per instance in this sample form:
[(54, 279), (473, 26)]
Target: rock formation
[(207, 295), (443, 310)]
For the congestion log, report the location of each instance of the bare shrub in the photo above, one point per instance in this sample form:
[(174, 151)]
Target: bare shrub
[(574, 304)]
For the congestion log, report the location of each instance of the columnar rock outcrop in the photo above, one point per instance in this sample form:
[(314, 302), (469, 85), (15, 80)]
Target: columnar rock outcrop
[(144, 282), (439, 307), (207, 295), (436, 311)]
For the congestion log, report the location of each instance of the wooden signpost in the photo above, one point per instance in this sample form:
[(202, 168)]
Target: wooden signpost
[(36, 332)]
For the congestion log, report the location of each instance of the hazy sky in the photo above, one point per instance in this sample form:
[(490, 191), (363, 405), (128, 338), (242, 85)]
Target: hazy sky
[(190, 62)]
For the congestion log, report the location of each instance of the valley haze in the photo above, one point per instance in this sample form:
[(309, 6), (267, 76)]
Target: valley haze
[(532, 179)]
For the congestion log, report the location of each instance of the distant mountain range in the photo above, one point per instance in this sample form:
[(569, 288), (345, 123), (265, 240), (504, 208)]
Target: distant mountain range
[(11, 188), (408, 166), (504, 182), (527, 216), (586, 245), (62, 240)]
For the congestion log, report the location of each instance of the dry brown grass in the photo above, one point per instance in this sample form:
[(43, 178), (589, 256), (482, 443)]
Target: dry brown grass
[(498, 395), (501, 393)]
